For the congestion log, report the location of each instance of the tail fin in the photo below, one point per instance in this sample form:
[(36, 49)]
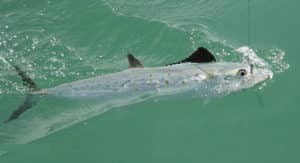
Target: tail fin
[(30, 99), (27, 81)]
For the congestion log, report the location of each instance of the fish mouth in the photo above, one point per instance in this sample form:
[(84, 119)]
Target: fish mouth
[(262, 74)]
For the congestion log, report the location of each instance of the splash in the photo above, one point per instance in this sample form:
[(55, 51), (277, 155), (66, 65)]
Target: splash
[(31, 49), (197, 18), (251, 57), (274, 58), (3, 60)]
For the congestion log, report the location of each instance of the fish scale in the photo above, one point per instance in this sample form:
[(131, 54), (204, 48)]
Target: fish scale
[(130, 81)]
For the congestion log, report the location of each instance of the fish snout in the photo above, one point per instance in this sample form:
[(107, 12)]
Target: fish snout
[(263, 74)]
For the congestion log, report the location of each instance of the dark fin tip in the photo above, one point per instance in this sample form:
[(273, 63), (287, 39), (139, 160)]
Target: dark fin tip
[(30, 100), (27, 81), (133, 62), (201, 55), (28, 103)]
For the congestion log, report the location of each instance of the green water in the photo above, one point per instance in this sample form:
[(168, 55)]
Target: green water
[(59, 41)]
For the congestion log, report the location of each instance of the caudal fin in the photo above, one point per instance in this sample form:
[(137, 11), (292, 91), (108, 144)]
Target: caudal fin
[(30, 99), (27, 81)]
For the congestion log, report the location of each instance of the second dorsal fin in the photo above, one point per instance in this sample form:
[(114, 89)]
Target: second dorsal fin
[(133, 62), (201, 55)]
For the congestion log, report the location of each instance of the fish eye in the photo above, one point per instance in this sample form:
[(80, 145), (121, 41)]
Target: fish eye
[(242, 72)]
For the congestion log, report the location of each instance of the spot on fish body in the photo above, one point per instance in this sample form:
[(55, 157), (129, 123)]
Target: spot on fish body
[(167, 82)]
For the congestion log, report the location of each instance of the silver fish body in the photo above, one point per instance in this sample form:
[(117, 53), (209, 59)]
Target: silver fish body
[(208, 79), (198, 74)]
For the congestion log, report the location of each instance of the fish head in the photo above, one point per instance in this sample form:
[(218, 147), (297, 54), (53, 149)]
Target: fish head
[(227, 77)]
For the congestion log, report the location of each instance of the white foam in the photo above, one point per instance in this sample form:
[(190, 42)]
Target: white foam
[(250, 56), (3, 60), (273, 58)]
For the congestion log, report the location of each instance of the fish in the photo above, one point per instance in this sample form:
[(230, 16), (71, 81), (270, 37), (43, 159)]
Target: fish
[(200, 73)]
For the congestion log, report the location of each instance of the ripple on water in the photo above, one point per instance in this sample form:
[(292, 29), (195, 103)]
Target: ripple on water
[(195, 18), (2, 153), (40, 54)]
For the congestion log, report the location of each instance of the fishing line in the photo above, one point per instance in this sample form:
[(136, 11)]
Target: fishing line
[(249, 8), (258, 95)]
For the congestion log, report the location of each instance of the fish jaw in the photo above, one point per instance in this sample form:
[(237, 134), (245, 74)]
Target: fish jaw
[(260, 75)]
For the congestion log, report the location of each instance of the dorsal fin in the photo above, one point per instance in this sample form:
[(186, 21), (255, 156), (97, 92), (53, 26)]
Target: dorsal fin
[(133, 62), (201, 55)]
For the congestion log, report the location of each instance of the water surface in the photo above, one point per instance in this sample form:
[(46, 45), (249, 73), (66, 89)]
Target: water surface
[(62, 41)]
